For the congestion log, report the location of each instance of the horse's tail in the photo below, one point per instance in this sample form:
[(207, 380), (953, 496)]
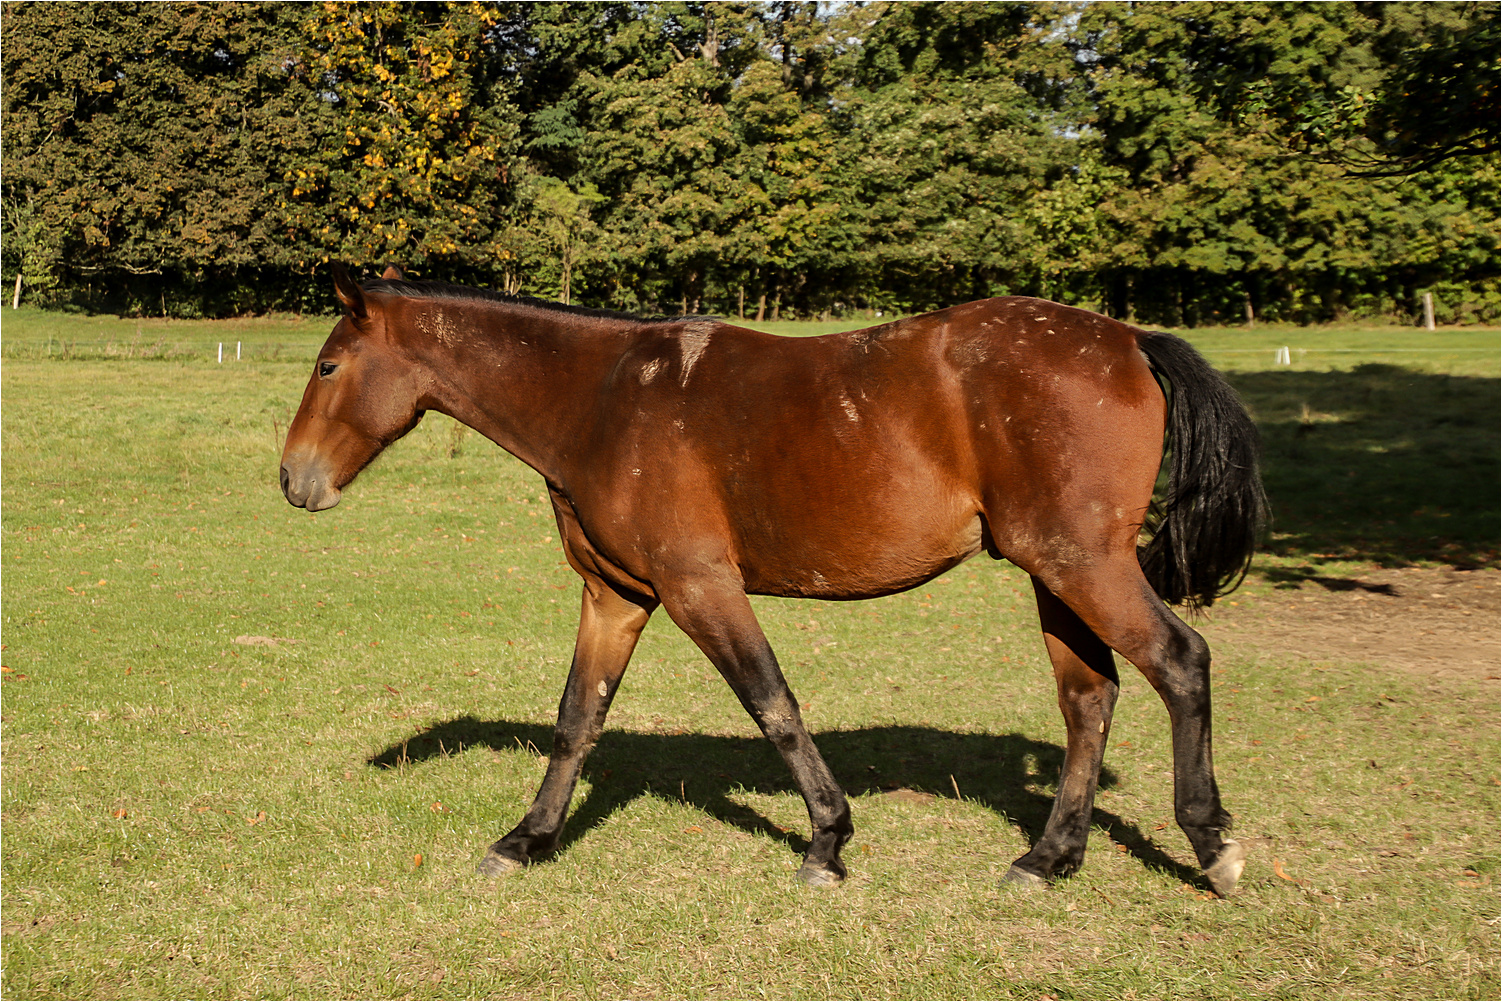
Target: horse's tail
[(1206, 525)]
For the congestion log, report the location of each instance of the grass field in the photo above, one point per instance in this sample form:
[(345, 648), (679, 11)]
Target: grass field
[(186, 815)]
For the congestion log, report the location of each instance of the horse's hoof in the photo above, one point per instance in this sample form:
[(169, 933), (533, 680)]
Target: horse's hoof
[(819, 876), (1024, 880), (1226, 870), (493, 864)]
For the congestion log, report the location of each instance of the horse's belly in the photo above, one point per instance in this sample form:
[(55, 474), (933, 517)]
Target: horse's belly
[(851, 559)]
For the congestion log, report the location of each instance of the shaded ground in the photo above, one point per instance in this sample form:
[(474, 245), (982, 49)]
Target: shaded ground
[(1380, 464), (1442, 622)]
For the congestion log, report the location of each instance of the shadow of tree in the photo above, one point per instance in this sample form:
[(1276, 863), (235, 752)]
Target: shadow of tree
[(1380, 463), (1284, 577), (1000, 772)]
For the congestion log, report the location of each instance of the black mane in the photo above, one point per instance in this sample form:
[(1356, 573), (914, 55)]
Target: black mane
[(444, 290)]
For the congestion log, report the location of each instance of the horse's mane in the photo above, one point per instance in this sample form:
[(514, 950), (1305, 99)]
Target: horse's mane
[(444, 290)]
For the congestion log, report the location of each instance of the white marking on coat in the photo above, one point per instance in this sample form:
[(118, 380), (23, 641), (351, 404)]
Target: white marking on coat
[(849, 408), (692, 341), (438, 325)]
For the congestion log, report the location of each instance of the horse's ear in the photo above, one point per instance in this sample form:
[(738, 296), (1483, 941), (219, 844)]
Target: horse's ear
[(392, 273), (348, 292)]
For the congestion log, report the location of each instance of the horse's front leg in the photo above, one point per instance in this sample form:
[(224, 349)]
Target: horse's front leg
[(609, 624), (714, 611)]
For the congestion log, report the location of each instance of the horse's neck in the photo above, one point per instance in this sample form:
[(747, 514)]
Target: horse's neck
[(524, 377)]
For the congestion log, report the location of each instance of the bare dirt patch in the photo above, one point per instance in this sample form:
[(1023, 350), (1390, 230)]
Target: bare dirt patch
[(1438, 622)]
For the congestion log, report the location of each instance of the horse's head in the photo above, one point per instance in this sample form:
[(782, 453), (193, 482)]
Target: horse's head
[(363, 395)]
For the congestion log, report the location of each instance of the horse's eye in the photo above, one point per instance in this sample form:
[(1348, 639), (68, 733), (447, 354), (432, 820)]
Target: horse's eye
[(326, 369)]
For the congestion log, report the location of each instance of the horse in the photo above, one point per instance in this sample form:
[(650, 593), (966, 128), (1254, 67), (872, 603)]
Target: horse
[(692, 463)]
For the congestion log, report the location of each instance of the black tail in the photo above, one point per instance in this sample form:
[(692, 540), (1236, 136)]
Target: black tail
[(1206, 527)]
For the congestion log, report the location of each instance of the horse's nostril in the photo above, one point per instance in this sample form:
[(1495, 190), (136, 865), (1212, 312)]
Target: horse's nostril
[(285, 477)]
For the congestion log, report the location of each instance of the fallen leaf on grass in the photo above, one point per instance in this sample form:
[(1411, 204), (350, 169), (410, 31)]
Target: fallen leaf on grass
[(416, 860), (693, 830), (5, 670), (1278, 869), (394, 692), (257, 819), (119, 812)]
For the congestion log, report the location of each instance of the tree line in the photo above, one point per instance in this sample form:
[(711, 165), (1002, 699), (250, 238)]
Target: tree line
[(1169, 163)]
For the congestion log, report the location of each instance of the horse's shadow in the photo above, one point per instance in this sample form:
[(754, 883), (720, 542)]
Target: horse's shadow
[(999, 772)]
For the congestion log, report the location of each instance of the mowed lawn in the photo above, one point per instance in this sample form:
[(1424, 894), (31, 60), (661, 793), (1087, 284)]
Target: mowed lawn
[(253, 752)]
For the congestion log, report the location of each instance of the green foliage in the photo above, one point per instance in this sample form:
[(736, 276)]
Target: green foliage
[(1171, 163), (1436, 100), (423, 134), (150, 140)]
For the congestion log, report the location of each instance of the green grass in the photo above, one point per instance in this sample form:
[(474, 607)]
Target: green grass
[(188, 816)]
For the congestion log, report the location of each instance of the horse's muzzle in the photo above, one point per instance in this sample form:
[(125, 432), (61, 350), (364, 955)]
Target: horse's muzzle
[(309, 485)]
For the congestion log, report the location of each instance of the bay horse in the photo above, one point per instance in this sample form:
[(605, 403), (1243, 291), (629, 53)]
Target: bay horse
[(692, 463)]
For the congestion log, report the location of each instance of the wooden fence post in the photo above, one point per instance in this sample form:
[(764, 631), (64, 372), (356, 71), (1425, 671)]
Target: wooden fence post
[(1428, 311)]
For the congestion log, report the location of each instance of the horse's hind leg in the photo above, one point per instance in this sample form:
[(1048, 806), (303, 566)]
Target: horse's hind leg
[(1086, 676), (1115, 601), (609, 625)]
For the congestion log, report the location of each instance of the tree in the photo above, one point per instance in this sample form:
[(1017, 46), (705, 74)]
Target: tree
[(562, 216), (146, 140), (1436, 98), (1190, 102), (425, 138), (952, 115)]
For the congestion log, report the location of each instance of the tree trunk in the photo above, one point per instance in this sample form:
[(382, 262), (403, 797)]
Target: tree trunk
[(15, 300)]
